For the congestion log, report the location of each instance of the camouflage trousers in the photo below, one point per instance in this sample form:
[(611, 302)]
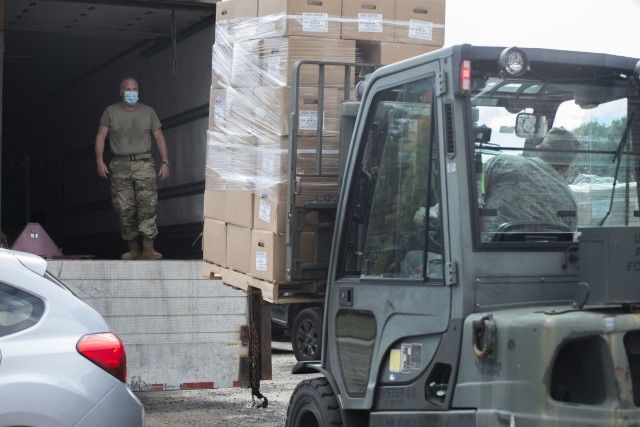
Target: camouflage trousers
[(134, 195)]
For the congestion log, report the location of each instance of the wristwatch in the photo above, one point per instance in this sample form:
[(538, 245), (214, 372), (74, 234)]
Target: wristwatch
[(166, 162)]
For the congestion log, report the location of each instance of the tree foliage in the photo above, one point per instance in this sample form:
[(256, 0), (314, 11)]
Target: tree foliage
[(602, 140)]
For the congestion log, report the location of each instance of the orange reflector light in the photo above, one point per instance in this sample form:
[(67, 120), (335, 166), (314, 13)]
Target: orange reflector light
[(465, 76)]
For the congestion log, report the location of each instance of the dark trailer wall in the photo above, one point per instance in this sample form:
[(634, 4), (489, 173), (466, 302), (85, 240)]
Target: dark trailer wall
[(63, 63)]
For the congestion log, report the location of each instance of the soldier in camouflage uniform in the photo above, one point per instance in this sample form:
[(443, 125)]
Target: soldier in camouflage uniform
[(532, 190), (130, 125)]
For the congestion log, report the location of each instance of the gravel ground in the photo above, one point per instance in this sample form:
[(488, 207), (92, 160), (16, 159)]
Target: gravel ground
[(227, 407)]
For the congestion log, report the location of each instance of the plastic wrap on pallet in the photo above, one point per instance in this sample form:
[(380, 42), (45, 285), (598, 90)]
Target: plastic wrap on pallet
[(273, 108), (221, 57), (272, 169), (250, 104), (593, 197), (251, 58), (412, 22), (306, 189), (308, 24), (232, 158)]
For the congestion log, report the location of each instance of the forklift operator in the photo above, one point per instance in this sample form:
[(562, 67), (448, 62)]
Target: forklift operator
[(532, 191)]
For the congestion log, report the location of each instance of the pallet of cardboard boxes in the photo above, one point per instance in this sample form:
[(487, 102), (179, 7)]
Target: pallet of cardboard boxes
[(248, 149)]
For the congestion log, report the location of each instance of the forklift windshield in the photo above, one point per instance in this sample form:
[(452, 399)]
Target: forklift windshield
[(553, 155)]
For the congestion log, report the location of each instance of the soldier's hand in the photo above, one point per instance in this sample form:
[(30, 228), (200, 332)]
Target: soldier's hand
[(103, 170), (164, 171)]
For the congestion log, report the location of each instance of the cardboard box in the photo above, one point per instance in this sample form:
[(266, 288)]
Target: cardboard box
[(214, 204), (318, 18), (245, 64), (420, 22), (269, 215), (272, 115), (307, 189), (368, 20), (312, 189), (268, 255), (213, 182), (236, 18), (307, 247), (273, 163), (236, 9), (232, 157), (217, 107), (329, 142), (239, 208), (240, 110), (310, 162), (239, 248), (221, 60), (388, 53), (277, 56), (214, 242)]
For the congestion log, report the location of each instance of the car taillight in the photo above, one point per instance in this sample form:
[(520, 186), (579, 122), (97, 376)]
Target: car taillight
[(107, 351)]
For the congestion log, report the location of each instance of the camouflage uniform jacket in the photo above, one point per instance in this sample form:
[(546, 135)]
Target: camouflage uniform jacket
[(526, 190)]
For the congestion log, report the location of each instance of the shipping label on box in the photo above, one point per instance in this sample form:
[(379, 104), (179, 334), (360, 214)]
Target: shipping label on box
[(270, 214), (300, 17), (308, 120), (315, 22), (272, 106), (269, 162), (262, 261), (264, 211), (422, 30), (268, 255), (368, 20), (420, 22)]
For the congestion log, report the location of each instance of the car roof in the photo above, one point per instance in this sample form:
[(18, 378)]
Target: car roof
[(33, 262)]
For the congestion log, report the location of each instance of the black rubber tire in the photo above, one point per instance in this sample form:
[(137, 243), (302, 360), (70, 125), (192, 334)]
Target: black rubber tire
[(313, 404), (306, 335)]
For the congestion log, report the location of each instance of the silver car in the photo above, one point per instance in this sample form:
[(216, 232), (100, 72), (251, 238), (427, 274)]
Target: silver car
[(60, 363)]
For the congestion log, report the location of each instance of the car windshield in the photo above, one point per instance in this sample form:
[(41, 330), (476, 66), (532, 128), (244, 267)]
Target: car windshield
[(550, 158)]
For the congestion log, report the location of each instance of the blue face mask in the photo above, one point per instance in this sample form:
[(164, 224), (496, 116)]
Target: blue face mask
[(130, 97)]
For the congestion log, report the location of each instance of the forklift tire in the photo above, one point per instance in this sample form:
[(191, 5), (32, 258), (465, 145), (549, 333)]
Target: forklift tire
[(313, 404), (306, 335)]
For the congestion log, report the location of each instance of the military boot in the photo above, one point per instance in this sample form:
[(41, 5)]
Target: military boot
[(134, 251), (148, 252)]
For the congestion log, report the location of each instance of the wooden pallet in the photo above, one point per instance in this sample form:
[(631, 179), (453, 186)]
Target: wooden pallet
[(272, 291)]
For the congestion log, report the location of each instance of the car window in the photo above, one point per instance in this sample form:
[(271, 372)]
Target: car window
[(18, 310)]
